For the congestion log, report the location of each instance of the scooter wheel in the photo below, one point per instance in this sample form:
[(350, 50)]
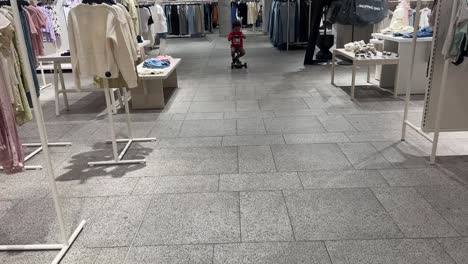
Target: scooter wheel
[(232, 67), (245, 65)]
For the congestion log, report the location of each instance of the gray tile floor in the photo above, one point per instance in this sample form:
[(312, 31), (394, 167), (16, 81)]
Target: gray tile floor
[(266, 165)]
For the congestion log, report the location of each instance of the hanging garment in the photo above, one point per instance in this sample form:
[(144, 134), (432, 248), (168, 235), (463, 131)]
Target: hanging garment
[(400, 21), (55, 21), (183, 23), (455, 42), (233, 12), (215, 15), (303, 22), (175, 20), (31, 57), (17, 84), (242, 12), (37, 22), (191, 19), (411, 17), (131, 7), (425, 16), (48, 30), (280, 33), (208, 18), (199, 20), (252, 13), (105, 50), (167, 12), (144, 14), (11, 151), (159, 18)]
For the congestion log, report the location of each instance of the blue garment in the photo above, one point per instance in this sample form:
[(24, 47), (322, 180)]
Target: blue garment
[(32, 60), (278, 24), (422, 33), (167, 11), (233, 12), (156, 64)]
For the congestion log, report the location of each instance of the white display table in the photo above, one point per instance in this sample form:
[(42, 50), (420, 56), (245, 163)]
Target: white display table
[(403, 47), (57, 61), (150, 91), (375, 60)]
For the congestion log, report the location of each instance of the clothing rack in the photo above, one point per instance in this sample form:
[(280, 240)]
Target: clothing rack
[(288, 43), (38, 146), (440, 102), (67, 241), (118, 157)]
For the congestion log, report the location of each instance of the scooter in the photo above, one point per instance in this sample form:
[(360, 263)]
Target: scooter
[(238, 64)]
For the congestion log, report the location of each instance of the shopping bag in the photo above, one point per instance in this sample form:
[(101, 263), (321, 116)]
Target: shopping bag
[(371, 11)]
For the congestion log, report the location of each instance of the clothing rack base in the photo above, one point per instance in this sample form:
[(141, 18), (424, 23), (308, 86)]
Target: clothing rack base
[(118, 158), (38, 150), (35, 247)]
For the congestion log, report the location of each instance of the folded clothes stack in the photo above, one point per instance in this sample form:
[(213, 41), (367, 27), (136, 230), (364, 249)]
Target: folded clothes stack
[(164, 58), (422, 33), (155, 63)]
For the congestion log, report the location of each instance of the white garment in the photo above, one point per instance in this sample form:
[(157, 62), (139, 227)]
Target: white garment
[(425, 15), (101, 42), (144, 15), (159, 18), (252, 13)]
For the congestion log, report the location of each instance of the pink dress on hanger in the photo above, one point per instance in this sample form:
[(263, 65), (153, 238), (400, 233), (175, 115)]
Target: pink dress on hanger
[(11, 151)]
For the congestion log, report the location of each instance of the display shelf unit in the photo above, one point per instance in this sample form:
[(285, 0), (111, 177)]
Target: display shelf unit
[(445, 101)]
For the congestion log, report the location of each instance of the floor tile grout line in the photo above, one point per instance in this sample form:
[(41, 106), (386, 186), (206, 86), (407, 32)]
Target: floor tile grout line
[(387, 213), (289, 216), (328, 251), (138, 229), (135, 186), (240, 218), (445, 250), (273, 157), (435, 209), (383, 177), (299, 241), (213, 254)]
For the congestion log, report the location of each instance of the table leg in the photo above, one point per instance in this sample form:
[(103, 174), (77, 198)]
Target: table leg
[(56, 90), (397, 81), (368, 74), (63, 88), (353, 82), (44, 83), (112, 99), (333, 68)]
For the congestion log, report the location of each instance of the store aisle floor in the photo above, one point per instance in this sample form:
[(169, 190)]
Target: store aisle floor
[(266, 165)]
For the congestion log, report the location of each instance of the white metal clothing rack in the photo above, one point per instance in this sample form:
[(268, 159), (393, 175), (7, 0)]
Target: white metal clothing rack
[(38, 150), (118, 157), (67, 241), (440, 104)]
